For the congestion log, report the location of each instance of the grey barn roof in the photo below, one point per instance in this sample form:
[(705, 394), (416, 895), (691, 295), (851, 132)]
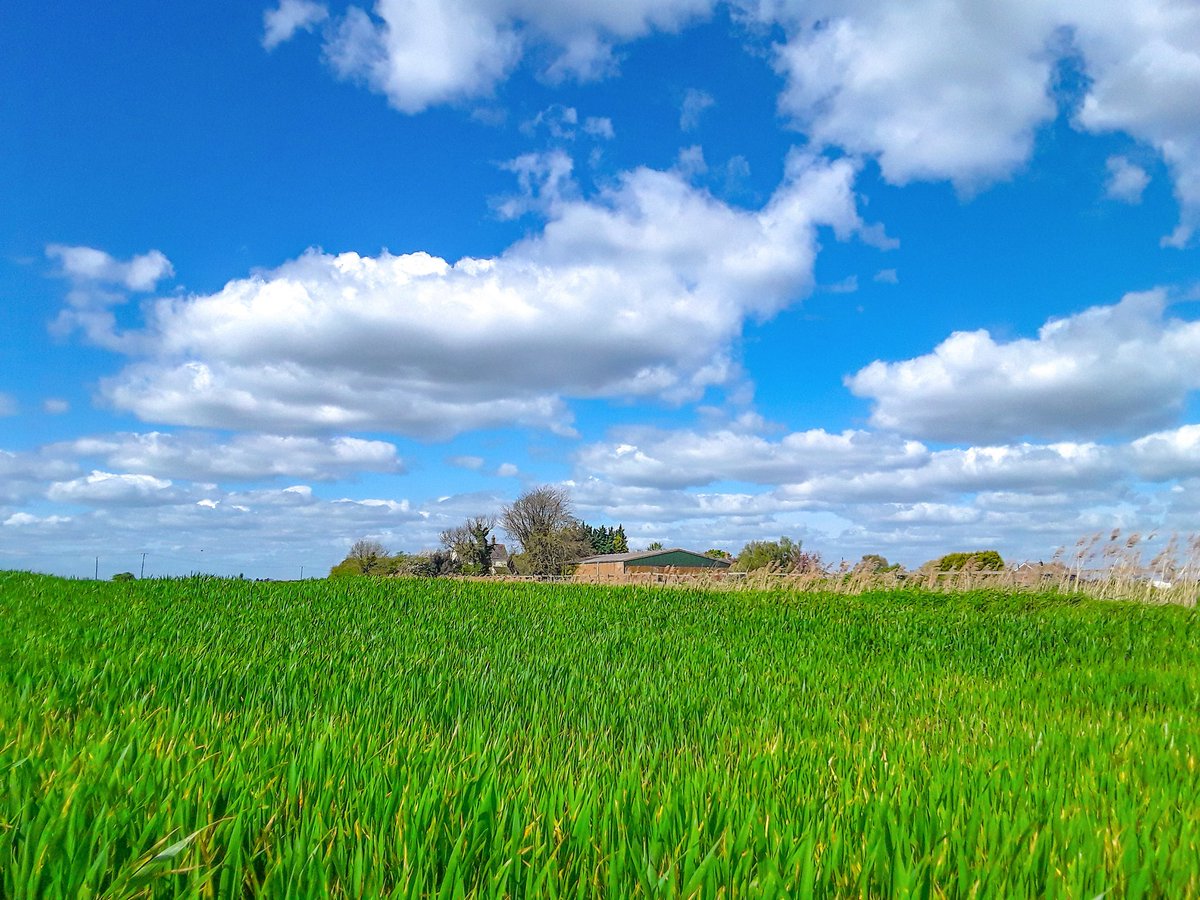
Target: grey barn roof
[(642, 554)]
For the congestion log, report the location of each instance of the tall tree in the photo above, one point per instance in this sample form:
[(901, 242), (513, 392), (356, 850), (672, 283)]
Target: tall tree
[(469, 543), (543, 523), (369, 556)]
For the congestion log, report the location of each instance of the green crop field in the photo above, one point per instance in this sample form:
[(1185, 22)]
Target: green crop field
[(406, 738)]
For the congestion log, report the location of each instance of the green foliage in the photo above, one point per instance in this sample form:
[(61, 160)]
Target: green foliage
[(405, 738), (783, 555), (604, 538), (542, 521), (874, 564), (977, 560), (655, 545), (124, 576), (717, 553), (468, 544)]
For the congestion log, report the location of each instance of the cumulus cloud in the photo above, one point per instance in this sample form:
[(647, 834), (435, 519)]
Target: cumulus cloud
[(1142, 60), (419, 53), (933, 89), (55, 406), (87, 265), (25, 474), (281, 24), (116, 489), (1114, 369), (957, 90), (1126, 180), (683, 458), (201, 457), (99, 282), (640, 292)]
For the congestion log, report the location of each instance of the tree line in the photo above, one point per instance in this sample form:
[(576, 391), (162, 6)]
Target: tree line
[(542, 523)]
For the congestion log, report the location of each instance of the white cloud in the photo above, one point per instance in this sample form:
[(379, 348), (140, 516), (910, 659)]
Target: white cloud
[(1142, 59), (419, 53), (86, 265), (641, 292), (695, 102), (55, 406), (116, 489), (282, 23), (1107, 370), (887, 276), (1126, 181), (507, 470), (99, 282), (473, 463), (544, 181), (201, 457), (27, 520), (1168, 455), (673, 459), (599, 127), (933, 89), (8, 405), (24, 475)]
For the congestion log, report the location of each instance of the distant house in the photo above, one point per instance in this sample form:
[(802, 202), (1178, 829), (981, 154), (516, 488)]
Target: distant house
[(676, 561), (501, 562)]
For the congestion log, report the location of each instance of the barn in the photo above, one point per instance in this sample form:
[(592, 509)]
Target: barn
[(620, 566)]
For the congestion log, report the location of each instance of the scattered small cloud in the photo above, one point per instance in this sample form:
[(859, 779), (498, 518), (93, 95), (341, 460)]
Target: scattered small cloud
[(8, 405), (887, 276), (281, 24), (55, 407), (695, 102), (1126, 180), (600, 127), (473, 463), (507, 470)]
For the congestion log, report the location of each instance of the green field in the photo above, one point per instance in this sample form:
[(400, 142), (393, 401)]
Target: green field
[(365, 737)]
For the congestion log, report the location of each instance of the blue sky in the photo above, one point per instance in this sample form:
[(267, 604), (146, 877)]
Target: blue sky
[(892, 279)]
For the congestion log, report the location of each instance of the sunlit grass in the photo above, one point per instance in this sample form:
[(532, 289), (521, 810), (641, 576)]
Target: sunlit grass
[(437, 738)]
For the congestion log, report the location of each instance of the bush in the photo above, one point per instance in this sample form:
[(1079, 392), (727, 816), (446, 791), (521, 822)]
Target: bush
[(975, 561)]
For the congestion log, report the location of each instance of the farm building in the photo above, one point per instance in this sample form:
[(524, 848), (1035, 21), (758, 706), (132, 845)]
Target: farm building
[(676, 561)]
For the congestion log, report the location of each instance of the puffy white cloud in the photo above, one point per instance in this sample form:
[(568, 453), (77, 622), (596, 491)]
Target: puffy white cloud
[(673, 459), (1108, 370), (641, 292), (87, 265), (695, 102), (117, 489), (955, 89), (419, 53), (28, 520), (1142, 59), (1126, 180), (24, 475), (55, 406), (935, 89), (282, 23), (1167, 455), (98, 282), (201, 457)]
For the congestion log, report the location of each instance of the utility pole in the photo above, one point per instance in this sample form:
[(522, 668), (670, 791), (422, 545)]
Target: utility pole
[(142, 573), (97, 575), (302, 573)]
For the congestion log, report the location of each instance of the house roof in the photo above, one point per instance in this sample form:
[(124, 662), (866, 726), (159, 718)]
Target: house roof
[(649, 554)]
